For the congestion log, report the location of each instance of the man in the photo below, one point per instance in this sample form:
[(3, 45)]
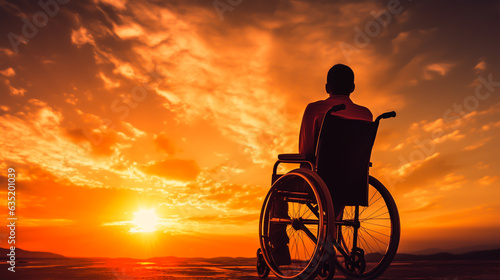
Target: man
[(339, 85)]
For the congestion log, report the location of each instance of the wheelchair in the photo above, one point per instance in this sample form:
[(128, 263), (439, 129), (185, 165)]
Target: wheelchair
[(330, 214)]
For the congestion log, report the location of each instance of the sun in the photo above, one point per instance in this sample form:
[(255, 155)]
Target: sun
[(145, 220)]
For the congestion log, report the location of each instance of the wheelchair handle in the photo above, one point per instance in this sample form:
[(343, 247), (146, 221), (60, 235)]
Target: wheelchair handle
[(386, 115), (336, 108)]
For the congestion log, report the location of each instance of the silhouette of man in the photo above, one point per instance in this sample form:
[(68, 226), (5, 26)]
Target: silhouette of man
[(339, 86)]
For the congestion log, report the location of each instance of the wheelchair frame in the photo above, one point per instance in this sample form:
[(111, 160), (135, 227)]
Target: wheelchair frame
[(324, 260)]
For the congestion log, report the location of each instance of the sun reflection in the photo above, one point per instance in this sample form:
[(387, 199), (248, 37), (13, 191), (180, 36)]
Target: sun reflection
[(145, 221)]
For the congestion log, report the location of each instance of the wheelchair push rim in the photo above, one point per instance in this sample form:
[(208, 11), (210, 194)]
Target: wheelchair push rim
[(309, 223)]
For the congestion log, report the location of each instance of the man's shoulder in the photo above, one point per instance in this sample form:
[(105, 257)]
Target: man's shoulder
[(322, 103), (362, 112), (353, 111), (315, 105), (361, 108)]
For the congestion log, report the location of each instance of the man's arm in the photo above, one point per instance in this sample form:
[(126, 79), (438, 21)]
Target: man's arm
[(306, 137)]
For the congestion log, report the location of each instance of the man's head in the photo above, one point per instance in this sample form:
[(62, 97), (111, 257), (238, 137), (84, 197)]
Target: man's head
[(340, 80)]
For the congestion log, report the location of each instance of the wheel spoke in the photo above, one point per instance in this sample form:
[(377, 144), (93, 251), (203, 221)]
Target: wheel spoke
[(375, 232), (367, 244), (377, 224), (309, 234), (369, 202), (310, 222), (362, 220), (376, 217), (280, 221), (375, 211), (305, 248), (375, 238), (314, 210)]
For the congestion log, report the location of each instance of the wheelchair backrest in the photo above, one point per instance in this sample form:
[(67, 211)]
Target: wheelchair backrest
[(343, 158)]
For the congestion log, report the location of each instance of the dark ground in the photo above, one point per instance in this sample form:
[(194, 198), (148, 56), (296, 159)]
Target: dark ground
[(105, 269)]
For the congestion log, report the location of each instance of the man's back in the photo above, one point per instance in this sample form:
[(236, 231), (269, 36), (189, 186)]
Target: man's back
[(313, 116)]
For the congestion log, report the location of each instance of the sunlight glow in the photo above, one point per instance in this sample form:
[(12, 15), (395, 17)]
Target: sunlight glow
[(145, 220)]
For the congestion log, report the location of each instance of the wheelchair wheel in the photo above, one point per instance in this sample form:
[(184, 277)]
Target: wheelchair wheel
[(368, 237), (297, 225)]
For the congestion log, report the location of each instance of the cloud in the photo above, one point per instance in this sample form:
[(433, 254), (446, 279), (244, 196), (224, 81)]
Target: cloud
[(456, 217), (27, 222), (92, 206), (436, 69), (481, 66), (164, 143), (118, 4), (487, 180), (108, 83), (410, 167), (455, 135), (173, 169), (421, 201), (451, 181), (227, 218), (9, 72), (488, 126), (475, 145), (128, 31), (81, 36)]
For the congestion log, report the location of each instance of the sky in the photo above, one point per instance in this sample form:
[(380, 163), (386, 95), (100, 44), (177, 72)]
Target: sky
[(149, 128)]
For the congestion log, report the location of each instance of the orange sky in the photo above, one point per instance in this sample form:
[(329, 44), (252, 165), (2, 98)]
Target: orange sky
[(114, 106)]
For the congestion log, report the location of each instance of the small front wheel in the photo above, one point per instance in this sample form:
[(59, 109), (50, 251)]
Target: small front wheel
[(356, 264), (328, 270), (262, 268)]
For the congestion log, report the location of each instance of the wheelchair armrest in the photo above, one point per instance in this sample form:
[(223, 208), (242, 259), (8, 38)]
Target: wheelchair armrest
[(292, 157)]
